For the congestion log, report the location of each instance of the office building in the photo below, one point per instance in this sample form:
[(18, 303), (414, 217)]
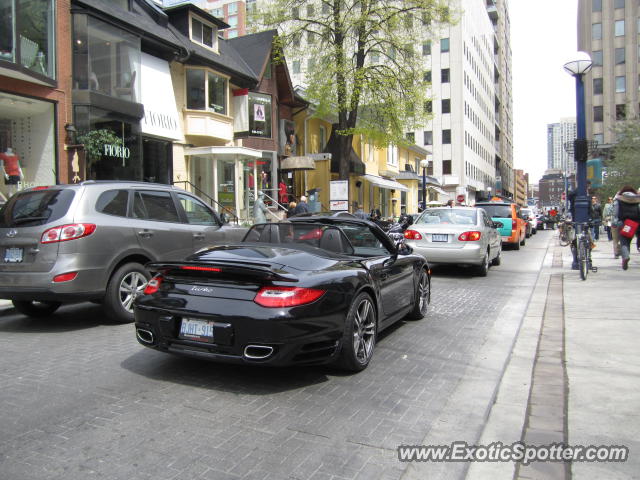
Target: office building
[(558, 135)]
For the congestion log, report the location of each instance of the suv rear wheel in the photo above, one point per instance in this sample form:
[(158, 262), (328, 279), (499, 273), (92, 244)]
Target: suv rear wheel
[(125, 285), (33, 308)]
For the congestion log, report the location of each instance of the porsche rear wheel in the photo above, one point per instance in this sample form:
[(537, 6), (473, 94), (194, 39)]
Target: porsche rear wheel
[(359, 337)]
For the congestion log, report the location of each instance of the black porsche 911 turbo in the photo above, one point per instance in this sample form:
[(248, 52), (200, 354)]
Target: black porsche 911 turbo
[(315, 289)]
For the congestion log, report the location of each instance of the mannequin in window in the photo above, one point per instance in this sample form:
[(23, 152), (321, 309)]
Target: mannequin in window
[(259, 209), (11, 169)]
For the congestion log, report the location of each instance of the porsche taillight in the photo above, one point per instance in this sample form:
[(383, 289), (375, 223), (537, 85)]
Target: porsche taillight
[(412, 235), (153, 285), (280, 297), (470, 236), (64, 233)]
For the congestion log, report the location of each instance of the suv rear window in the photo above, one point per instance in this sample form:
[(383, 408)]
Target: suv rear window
[(497, 211), (37, 207)]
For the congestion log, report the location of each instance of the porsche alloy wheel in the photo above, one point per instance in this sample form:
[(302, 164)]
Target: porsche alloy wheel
[(360, 335)]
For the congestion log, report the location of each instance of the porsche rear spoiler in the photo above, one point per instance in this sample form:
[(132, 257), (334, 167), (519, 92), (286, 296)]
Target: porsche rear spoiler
[(221, 269)]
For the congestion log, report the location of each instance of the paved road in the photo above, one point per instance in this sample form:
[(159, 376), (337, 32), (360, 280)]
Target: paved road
[(81, 399)]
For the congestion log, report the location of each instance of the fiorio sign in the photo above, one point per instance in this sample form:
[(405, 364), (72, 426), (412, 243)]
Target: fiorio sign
[(160, 120), (118, 151)]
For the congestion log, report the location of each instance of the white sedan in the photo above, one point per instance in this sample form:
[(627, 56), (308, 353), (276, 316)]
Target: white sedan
[(456, 235)]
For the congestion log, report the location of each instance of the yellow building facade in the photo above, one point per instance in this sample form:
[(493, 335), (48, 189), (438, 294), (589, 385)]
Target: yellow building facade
[(389, 181)]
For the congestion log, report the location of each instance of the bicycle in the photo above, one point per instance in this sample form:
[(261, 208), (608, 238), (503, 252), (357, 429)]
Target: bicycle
[(583, 245), (566, 233)]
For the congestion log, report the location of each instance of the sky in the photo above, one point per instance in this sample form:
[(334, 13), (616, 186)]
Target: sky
[(543, 39)]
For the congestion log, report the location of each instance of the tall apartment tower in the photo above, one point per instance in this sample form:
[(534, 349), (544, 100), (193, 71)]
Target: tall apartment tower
[(499, 14), (233, 12), (462, 133), (608, 30), (558, 134)]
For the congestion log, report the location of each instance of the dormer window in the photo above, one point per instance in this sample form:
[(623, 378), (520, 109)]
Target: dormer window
[(204, 33)]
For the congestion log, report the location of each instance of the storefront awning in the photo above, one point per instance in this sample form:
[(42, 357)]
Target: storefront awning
[(385, 183), (438, 189), (161, 117), (298, 163), (230, 153)]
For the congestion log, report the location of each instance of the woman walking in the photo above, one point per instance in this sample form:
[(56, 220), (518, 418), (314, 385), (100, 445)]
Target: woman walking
[(626, 206)]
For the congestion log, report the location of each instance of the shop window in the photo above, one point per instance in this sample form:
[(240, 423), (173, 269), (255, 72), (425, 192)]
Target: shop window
[(106, 59), (204, 33), (27, 35), (206, 91)]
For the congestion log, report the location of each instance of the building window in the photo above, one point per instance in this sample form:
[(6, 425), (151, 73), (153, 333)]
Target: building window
[(233, 21), (596, 31), (427, 76), (619, 56), (206, 91), (411, 136), (446, 137), (322, 140), (599, 137), (446, 167), (95, 41), (428, 106), (232, 8), (621, 112), (426, 48), (33, 45), (618, 4), (620, 84), (597, 114), (444, 45), (597, 58), (204, 34), (296, 66), (444, 75), (597, 86), (596, 6), (231, 33), (428, 137), (618, 28), (446, 105)]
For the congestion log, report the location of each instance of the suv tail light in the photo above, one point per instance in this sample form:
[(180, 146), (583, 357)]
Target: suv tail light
[(514, 224), (153, 285), (67, 232), (412, 235), (470, 236), (278, 297)]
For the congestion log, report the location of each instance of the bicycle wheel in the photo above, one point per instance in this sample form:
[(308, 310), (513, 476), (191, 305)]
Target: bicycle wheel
[(582, 258)]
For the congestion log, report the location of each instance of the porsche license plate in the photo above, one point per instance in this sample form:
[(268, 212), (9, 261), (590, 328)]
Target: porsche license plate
[(13, 255), (198, 330), (439, 237)]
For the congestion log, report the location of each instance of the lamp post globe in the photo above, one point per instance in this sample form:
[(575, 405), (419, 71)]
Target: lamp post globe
[(424, 164), (578, 68)]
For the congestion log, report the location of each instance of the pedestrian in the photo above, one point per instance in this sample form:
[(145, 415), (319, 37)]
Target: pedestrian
[(450, 203), (607, 216), (596, 217), (626, 206), (259, 209), (282, 192), (359, 213), (292, 209), (302, 206)]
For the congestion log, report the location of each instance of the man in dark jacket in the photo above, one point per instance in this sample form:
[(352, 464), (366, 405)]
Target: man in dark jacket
[(596, 217), (302, 206)]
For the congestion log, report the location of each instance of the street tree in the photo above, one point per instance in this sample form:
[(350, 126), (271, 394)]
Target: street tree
[(360, 62), (623, 165)]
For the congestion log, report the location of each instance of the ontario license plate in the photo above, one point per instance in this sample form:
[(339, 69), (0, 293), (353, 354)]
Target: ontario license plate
[(13, 255), (198, 330), (439, 237)]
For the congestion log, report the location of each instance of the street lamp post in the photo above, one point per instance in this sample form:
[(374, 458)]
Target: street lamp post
[(424, 164), (578, 68)]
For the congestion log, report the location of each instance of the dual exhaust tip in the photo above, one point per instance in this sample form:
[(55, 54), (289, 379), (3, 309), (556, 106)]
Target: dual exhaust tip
[(251, 352)]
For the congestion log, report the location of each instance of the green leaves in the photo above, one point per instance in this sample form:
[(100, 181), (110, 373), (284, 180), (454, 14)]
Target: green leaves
[(623, 166), (94, 142)]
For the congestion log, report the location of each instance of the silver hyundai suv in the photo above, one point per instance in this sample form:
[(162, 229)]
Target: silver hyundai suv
[(90, 241)]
